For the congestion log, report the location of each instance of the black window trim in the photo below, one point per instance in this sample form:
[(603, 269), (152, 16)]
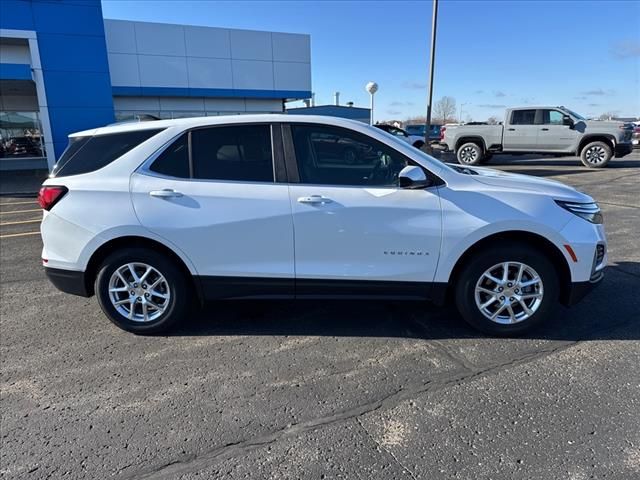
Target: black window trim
[(277, 158), (294, 175)]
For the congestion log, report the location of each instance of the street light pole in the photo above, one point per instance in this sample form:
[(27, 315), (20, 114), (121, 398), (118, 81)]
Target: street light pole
[(434, 22), (460, 117), (372, 88)]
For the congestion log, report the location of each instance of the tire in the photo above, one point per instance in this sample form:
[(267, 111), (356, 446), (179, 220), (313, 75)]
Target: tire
[(596, 155), (175, 286), (469, 300), (469, 154), (418, 144)]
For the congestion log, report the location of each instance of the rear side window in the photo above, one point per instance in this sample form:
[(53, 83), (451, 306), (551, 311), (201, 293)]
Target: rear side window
[(174, 161), (523, 117), (241, 153), (87, 154)]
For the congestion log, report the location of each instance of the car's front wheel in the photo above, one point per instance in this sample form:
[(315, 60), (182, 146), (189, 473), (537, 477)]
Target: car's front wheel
[(596, 155), (142, 291), (507, 290)]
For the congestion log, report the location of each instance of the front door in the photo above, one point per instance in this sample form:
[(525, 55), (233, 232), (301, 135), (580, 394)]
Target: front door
[(226, 213), (354, 227), (553, 136)]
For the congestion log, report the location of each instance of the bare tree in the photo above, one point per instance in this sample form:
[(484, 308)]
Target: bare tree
[(492, 121), (445, 109), (607, 115)]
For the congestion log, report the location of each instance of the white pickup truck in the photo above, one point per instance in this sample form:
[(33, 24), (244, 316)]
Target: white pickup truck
[(548, 130)]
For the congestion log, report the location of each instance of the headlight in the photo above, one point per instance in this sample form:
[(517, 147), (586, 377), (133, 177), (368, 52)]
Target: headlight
[(589, 211)]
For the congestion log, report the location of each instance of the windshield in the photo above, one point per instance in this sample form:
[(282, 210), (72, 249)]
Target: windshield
[(573, 114)]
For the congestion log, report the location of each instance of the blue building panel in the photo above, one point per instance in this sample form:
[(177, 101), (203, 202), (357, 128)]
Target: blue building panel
[(66, 120), (70, 17), (73, 53), (16, 15), (15, 71), (79, 89)]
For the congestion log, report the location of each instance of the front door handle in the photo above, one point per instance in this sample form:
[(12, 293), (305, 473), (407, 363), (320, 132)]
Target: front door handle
[(544, 129), (314, 200), (165, 193), (511, 129)]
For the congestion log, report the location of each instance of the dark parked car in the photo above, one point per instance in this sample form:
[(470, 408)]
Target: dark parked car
[(420, 129)]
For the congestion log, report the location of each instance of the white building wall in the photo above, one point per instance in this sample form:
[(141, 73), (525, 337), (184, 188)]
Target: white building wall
[(143, 54), (173, 107), (11, 53)]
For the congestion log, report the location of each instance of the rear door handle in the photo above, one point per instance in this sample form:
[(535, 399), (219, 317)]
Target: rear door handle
[(165, 193), (315, 200), (544, 129)]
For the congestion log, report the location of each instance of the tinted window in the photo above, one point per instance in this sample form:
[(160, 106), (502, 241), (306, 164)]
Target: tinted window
[(88, 154), (174, 161), (551, 117), (241, 153), (523, 117), (336, 156)]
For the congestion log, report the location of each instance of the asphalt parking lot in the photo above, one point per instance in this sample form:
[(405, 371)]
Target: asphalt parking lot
[(329, 389)]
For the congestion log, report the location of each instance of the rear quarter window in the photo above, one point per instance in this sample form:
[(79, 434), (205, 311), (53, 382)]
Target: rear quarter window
[(87, 154)]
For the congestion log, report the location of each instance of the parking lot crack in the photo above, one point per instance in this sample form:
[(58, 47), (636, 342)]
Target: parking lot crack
[(198, 462)]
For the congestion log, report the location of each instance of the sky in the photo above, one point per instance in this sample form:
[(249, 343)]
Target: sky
[(489, 54)]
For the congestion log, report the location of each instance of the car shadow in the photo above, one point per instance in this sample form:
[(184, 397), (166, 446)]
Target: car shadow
[(609, 312)]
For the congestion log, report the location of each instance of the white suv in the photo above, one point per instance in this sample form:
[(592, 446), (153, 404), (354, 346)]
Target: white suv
[(150, 216)]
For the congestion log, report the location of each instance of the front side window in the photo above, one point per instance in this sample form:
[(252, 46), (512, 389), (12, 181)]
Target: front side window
[(523, 117), (239, 153), (551, 117), (337, 156)]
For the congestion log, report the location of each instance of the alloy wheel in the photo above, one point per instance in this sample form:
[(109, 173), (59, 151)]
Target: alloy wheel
[(596, 155), (139, 292), (509, 292)]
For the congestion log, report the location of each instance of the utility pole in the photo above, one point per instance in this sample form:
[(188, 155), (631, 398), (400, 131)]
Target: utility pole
[(434, 22)]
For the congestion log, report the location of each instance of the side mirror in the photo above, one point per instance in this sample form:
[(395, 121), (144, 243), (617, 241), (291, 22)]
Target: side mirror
[(413, 177), (567, 120)]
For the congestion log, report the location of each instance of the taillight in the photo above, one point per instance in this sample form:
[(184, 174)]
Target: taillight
[(49, 196), (442, 133)]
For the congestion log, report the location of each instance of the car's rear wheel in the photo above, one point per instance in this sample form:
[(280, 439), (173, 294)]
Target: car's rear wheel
[(142, 291), (596, 155), (469, 154), (507, 290)]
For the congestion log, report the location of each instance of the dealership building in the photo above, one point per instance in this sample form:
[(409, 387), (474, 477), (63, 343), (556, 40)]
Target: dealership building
[(63, 68)]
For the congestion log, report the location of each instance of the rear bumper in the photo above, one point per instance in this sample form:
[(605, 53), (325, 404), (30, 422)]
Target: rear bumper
[(578, 290), (68, 281), (623, 149)]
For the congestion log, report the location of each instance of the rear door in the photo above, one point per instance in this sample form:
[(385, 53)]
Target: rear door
[(521, 131), (553, 136), (212, 193)]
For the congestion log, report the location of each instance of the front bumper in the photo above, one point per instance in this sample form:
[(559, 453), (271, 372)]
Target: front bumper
[(578, 290), (68, 281), (623, 149)]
